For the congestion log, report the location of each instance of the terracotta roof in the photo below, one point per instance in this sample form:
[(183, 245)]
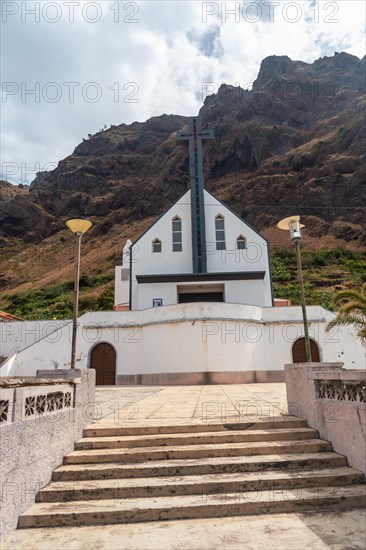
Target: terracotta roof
[(8, 317)]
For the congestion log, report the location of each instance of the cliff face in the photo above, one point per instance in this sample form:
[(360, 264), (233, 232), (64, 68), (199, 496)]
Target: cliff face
[(295, 142)]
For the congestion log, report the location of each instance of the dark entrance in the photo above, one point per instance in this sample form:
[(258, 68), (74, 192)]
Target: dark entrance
[(103, 360), (299, 351), (184, 298)]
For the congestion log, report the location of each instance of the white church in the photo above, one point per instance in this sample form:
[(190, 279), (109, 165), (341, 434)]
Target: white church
[(158, 268), (197, 251), (193, 305)]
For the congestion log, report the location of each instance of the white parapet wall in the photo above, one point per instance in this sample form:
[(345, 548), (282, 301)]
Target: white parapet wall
[(193, 343)]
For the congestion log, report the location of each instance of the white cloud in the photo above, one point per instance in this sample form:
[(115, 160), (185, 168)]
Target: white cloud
[(162, 61)]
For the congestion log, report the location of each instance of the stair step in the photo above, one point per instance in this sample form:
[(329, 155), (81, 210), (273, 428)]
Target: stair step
[(196, 451), (201, 438), (196, 484), (194, 467), (264, 424), (109, 511)]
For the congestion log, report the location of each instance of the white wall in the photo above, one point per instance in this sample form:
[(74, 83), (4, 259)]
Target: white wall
[(195, 337), (146, 262), (121, 287), (15, 337), (254, 258), (253, 293), (235, 292), (147, 292)]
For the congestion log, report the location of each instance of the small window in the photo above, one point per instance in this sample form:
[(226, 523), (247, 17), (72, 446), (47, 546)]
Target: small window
[(156, 245), (241, 243), (177, 234), (220, 232)]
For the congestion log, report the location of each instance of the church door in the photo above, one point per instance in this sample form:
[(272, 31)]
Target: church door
[(103, 360), (299, 351)]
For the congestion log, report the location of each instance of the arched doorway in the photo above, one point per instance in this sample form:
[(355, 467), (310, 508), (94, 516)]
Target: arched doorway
[(103, 360), (299, 351)]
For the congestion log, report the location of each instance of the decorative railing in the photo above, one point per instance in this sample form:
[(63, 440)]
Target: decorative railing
[(4, 410), (27, 399), (339, 390), (41, 404)]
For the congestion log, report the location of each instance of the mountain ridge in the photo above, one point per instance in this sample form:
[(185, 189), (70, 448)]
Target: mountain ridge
[(295, 142)]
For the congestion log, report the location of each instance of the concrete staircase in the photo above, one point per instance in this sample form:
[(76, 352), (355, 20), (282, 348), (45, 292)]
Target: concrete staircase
[(136, 474)]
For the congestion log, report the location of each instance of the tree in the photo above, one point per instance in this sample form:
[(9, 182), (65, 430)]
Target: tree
[(352, 310)]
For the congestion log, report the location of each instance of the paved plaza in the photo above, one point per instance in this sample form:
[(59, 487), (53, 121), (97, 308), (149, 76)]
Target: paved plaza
[(158, 406)]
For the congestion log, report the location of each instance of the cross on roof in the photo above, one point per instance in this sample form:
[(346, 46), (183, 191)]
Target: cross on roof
[(195, 136)]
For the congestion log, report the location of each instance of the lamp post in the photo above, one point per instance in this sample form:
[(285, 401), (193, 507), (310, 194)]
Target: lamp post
[(292, 224), (78, 226)]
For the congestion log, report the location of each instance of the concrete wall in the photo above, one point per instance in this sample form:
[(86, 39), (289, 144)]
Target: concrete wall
[(15, 337), (338, 411), (26, 467), (194, 338)]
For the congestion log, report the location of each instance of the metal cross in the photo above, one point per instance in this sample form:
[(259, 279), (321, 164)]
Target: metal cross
[(195, 136)]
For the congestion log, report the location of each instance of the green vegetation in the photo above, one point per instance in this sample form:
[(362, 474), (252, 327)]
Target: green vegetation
[(326, 272), (56, 301), (352, 310)]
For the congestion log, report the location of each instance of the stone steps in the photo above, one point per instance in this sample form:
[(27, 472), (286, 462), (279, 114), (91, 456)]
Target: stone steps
[(272, 422), (111, 511), (133, 488), (142, 454), (117, 470), (212, 438), (136, 474)]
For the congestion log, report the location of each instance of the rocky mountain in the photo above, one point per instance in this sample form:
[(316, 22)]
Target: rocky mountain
[(295, 142)]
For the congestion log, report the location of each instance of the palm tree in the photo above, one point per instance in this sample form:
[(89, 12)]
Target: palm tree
[(352, 310)]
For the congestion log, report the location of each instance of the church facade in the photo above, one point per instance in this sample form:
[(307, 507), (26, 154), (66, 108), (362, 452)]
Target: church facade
[(158, 268), (197, 251)]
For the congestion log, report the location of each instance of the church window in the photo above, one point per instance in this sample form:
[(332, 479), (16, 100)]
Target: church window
[(220, 232), (156, 245), (241, 242), (177, 234)]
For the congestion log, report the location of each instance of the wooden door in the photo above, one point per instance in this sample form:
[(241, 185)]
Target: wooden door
[(299, 351), (103, 360)]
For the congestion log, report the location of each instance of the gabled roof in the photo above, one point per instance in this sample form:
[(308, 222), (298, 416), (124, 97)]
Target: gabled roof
[(237, 215), (159, 218), (212, 195)]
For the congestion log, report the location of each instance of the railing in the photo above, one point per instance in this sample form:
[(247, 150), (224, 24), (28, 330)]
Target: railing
[(30, 398), (339, 390), (333, 401)]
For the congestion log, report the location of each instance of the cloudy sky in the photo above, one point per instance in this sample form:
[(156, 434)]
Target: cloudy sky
[(71, 67)]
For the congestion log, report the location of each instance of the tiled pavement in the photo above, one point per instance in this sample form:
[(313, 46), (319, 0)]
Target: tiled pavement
[(189, 404)]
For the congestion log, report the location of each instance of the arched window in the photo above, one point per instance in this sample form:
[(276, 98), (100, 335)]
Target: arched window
[(220, 232), (177, 234), (241, 243), (156, 245)]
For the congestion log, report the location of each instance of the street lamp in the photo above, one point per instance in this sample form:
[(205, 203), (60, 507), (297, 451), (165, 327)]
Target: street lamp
[(292, 224), (78, 226)]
